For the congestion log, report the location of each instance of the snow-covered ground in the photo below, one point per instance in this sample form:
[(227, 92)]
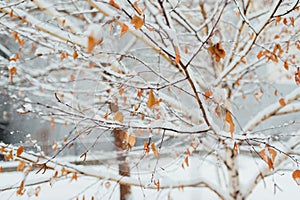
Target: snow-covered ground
[(88, 187)]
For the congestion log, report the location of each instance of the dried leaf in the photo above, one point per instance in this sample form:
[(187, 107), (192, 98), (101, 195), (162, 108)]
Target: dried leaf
[(119, 117), (282, 102), (131, 140), (151, 99), (146, 147), (75, 54), (207, 94), (286, 65), (217, 51), (235, 148), (1, 169), (186, 160), (21, 166), (20, 150), (177, 55), (74, 176), (21, 190), (124, 29), (296, 176), (229, 120), (154, 150), (285, 21), (114, 4), (277, 20), (63, 55), (137, 22), (268, 155), (259, 55), (297, 76), (292, 21)]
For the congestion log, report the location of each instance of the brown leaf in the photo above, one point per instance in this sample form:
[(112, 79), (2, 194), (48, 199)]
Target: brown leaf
[(282, 102), (154, 150), (131, 140), (21, 166), (119, 117), (207, 94), (1, 169), (114, 4), (137, 22), (151, 99), (177, 55), (186, 160), (217, 51), (75, 54), (229, 120), (268, 155), (297, 76), (146, 147), (124, 29), (74, 176), (20, 150), (21, 191), (296, 176), (235, 148)]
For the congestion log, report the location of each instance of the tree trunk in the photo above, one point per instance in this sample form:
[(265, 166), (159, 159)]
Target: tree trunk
[(233, 175), (124, 168)]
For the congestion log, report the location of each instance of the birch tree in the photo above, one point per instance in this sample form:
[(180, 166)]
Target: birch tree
[(180, 82)]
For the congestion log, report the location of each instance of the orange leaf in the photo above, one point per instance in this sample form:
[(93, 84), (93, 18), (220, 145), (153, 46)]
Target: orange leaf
[(1, 169), (136, 7), (277, 20), (292, 21), (124, 29), (285, 21), (131, 140), (296, 176), (119, 117), (282, 102), (151, 99), (137, 22), (207, 94), (268, 155), (20, 150), (146, 147), (229, 120), (74, 176), (235, 148), (297, 76), (21, 166), (114, 4), (217, 51), (75, 54), (186, 160), (286, 65), (259, 55), (63, 55), (177, 58), (21, 191), (154, 150)]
